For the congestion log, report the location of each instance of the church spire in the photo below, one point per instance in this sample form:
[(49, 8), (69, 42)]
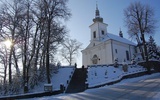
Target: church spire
[(97, 11), (97, 15)]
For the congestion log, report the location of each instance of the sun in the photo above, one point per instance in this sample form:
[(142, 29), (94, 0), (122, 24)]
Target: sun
[(8, 43)]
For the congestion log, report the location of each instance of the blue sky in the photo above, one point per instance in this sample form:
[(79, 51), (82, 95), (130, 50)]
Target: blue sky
[(83, 11)]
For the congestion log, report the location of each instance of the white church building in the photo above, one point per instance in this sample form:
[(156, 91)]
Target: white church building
[(105, 47)]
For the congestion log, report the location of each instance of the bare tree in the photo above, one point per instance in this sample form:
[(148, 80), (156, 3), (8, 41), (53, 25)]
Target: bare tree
[(35, 30), (140, 21), (52, 11), (4, 62), (70, 48), (11, 16)]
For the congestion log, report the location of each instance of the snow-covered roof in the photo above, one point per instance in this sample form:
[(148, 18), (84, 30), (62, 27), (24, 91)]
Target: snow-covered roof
[(109, 36)]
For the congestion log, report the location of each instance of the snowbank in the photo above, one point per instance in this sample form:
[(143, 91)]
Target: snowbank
[(64, 74), (102, 74)]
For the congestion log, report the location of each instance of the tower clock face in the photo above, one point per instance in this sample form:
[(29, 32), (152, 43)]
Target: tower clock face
[(95, 59)]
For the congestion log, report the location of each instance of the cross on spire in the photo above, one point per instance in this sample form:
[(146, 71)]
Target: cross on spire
[(120, 33), (97, 11), (96, 5)]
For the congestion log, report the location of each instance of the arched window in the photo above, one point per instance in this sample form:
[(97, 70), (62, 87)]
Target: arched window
[(95, 59)]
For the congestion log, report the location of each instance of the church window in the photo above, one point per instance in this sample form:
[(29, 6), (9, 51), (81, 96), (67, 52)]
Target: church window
[(127, 55), (116, 51), (94, 34), (102, 32), (95, 59)]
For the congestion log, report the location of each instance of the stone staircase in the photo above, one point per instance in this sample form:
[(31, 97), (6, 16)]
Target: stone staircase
[(77, 83)]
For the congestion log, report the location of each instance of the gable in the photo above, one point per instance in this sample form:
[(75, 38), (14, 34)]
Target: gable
[(93, 43)]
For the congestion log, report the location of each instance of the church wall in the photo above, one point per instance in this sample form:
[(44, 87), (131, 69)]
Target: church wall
[(86, 55), (108, 53), (119, 51), (96, 50), (103, 52)]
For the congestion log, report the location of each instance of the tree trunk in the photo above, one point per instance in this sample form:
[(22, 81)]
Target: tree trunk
[(146, 54), (5, 71), (10, 64), (140, 47), (47, 66), (144, 42), (5, 66), (15, 60), (47, 55)]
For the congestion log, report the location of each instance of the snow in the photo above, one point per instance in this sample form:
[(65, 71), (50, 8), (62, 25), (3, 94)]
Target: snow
[(130, 80), (61, 78), (64, 74), (47, 84), (157, 96), (125, 81), (97, 75), (103, 74), (117, 38)]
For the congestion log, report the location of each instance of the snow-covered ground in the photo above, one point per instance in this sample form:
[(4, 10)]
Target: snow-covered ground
[(102, 74), (97, 75), (58, 78), (125, 81), (129, 80), (63, 75)]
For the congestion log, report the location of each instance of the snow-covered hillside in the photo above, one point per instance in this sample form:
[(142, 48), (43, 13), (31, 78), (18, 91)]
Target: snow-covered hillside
[(61, 77), (90, 91), (97, 75), (102, 74)]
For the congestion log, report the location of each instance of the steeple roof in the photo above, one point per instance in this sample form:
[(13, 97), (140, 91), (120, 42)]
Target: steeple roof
[(97, 15), (97, 11)]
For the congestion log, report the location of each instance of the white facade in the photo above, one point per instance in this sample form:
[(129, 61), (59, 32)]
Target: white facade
[(104, 47)]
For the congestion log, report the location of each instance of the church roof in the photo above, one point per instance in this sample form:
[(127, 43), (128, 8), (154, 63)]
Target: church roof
[(109, 36)]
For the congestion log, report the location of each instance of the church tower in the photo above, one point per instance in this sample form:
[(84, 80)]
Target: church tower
[(98, 28)]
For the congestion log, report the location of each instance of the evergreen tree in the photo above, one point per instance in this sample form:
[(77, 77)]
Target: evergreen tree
[(152, 49)]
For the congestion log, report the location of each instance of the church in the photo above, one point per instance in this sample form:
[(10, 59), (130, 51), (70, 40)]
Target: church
[(105, 47)]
